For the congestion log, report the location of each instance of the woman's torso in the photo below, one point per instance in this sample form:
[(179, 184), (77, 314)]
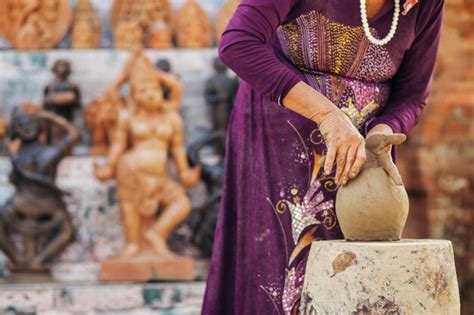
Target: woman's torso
[(325, 42)]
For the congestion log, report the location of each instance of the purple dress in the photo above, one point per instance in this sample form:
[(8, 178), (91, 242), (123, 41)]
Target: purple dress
[(276, 199)]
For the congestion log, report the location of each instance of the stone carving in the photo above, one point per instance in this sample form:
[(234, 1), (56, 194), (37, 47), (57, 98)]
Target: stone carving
[(61, 96), (220, 92), (208, 153), (192, 26), (35, 24), (136, 22), (372, 207), (36, 214), (86, 29), (224, 16), (146, 133), (165, 66)]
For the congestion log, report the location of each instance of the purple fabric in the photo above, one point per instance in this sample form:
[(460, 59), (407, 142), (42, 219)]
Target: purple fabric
[(276, 199)]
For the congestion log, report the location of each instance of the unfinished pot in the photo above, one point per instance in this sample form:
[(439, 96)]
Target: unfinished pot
[(372, 207)]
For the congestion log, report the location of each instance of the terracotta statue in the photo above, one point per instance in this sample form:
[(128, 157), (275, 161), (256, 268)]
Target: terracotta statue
[(2, 127), (136, 22), (374, 207), (36, 214), (192, 26), (161, 35), (128, 34), (101, 117), (35, 24), (146, 134), (61, 96), (224, 16), (220, 92), (86, 28)]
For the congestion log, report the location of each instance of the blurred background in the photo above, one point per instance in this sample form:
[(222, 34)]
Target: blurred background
[(437, 161)]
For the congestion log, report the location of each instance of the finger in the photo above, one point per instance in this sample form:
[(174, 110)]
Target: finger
[(350, 159), (395, 138), (341, 158), (361, 157), (330, 158), (373, 141), (380, 140), (392, 171)]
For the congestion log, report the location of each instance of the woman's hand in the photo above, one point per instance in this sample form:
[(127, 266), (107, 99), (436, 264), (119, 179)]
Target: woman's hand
[(344, 142), (378, 143), (345, 146)]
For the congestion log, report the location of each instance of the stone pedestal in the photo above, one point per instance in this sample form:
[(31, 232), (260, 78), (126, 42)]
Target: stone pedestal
[(404, 277), (147, 267)]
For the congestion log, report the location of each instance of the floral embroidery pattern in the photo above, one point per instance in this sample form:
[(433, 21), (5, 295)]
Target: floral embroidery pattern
[(303, 214), (309, 209)]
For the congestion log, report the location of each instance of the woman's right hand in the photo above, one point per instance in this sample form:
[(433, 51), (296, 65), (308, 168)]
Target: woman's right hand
[(345, 145)]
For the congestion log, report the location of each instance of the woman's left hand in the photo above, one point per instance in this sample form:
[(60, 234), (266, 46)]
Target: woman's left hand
[(378, 144)]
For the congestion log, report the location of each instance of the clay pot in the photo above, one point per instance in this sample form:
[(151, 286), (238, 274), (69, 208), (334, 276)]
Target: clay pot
[(371, 207)]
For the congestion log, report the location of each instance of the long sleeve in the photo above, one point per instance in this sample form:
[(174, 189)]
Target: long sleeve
[(411, 84), (246, 49)]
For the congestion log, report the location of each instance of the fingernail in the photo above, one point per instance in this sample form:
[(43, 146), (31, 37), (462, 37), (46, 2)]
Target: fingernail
[(352, 175)]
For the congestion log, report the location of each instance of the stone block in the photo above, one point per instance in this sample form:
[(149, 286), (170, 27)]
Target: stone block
[(404, 277)]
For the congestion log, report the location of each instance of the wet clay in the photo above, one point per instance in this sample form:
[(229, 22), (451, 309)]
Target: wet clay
[(371, 207)]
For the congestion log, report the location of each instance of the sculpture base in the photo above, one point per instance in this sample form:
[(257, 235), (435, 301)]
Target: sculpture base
[(147, 267), (28, 277), (403, 277)]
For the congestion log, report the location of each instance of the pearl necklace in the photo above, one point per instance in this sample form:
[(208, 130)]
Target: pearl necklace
[(393, 27)]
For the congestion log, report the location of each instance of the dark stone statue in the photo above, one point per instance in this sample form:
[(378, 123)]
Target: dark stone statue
[(34, 224), (208, 153), (220, 92), (165, 66), (61, 96)]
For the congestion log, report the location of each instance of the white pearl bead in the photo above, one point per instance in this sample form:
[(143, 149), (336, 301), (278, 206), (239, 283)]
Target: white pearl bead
[(365, 24)]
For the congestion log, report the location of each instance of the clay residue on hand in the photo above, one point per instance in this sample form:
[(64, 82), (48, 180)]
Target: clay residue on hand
[(343, 261)]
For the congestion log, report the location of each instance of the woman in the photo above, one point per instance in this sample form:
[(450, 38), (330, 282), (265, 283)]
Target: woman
[(315, 81)]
